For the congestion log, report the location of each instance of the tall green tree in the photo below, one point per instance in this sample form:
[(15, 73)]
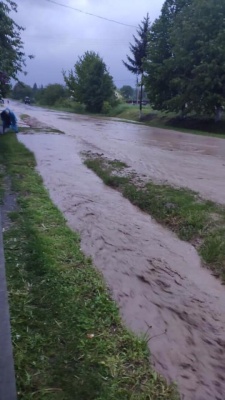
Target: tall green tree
[(186, 57), (90, 83), (12, 56), (160, 66), (136, 62), (198, 40)]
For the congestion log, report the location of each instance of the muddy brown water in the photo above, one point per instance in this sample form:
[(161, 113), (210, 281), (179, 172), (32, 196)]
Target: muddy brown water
[(157, 280), (192, 161)]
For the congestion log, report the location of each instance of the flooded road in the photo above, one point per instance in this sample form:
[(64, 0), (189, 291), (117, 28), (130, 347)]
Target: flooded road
[(157, 280), (196, 162)]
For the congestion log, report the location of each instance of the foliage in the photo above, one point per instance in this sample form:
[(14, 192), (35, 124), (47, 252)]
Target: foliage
[(21, 90), (136, 63), (12, 56), (90, 83), (127, 92), (186, 57), (106, 108), (69, 105), (34, 89), (139, 49), (39, 93), (51, 94), (159, 68), (4, 84), (198, 40)]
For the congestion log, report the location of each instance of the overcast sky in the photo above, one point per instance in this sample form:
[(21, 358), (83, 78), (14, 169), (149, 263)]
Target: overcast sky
[(57, 35)]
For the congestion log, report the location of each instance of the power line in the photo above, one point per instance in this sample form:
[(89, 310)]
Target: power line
[(87, 13)]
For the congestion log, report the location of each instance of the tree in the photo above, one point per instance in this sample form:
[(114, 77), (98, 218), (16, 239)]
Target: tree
[(136, 63), (90, 83), (186, 58), (127, 92), (12, 56), (21, 90), (51, 94), (198, 41), (39, 93), (159, 64), (34, 89)]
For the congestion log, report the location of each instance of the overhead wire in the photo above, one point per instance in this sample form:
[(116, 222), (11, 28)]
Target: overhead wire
[(97, 16), (91, 14)]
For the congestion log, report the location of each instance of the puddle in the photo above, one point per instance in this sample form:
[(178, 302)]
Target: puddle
[(157, 280)]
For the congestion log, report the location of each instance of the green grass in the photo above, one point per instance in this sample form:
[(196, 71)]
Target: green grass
[(195, 125), (195, 220), (2, 176), (128, 111), (69, 343)]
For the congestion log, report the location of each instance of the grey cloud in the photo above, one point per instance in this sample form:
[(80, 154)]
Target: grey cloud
[(58, 35)]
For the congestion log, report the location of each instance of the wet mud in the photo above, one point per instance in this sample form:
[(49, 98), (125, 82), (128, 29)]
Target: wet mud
[(33, 122)]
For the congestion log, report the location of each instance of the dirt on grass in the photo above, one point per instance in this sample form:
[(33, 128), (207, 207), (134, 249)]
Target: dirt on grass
[(34, 124)]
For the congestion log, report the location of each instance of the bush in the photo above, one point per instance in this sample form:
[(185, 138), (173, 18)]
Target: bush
[(106, 108), (70, 105)]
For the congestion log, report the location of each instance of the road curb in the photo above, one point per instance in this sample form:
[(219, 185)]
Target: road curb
[(7, 373)]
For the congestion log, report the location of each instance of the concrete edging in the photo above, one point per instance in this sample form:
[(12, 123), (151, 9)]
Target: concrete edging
[(7, 372)]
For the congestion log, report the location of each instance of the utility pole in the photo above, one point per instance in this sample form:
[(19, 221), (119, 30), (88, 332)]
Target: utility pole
[(137, 90)]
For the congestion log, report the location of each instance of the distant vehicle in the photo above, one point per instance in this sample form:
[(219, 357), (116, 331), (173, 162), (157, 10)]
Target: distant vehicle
[(27, 100)]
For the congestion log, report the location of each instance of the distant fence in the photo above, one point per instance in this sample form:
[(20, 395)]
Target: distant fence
[(144, 102)]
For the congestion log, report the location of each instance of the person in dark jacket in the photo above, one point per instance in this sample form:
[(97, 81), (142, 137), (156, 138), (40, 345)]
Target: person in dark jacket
[(9, 120)]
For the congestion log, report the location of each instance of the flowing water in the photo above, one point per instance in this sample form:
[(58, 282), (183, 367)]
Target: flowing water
[(156, 279)]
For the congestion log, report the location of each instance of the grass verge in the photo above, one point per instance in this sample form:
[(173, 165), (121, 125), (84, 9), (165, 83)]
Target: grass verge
[(202, 126), (69, 343), (195, 220)]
